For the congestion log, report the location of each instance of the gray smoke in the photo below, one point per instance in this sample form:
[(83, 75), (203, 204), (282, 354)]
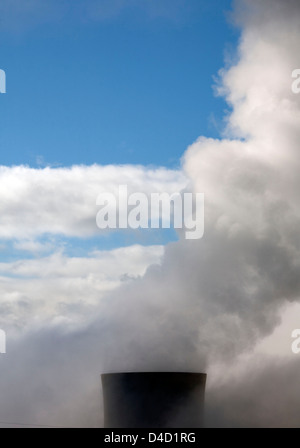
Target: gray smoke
[(214, 298)]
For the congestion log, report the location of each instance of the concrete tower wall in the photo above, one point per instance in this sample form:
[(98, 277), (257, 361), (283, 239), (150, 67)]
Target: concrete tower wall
[(153, 400)]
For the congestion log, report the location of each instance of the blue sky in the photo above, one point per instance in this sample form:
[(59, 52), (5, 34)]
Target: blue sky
[(133, 85), (104, 82)]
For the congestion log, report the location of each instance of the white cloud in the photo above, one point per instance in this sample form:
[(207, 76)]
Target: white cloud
[(62, 201), (32, 246), (60, 289)]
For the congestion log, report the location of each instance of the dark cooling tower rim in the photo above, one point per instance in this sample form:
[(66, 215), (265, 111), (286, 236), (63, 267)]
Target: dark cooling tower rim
[(153, 399), (152, 372)]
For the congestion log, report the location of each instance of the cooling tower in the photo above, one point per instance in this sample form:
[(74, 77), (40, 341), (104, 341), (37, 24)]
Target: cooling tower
[(153, 400)]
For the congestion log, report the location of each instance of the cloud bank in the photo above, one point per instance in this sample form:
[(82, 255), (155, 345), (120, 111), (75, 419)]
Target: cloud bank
[(62, 201)]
